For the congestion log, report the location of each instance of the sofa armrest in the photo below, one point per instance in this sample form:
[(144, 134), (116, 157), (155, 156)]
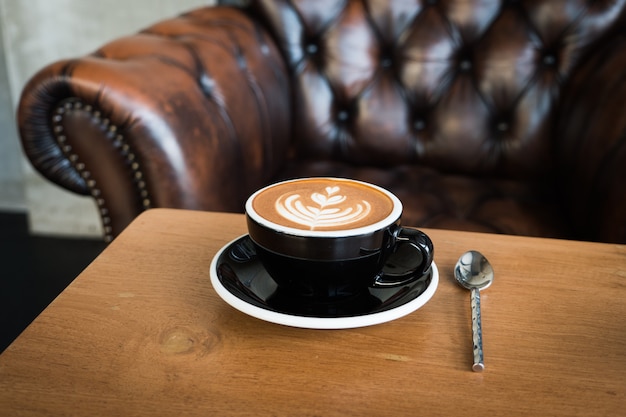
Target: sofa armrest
[(192, 112), (591, 146)]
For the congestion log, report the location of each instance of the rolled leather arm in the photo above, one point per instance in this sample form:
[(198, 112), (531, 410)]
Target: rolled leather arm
[(591, 146), (192, 112)]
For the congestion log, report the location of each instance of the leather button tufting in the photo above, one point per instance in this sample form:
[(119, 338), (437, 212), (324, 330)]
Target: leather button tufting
[(342, 115), (549, 60), (207, 84), (465, 65), (502, 126), (311, 49), (419, 124)]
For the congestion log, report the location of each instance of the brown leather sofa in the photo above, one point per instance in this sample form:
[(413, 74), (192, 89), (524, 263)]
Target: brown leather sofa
[(495, 116)]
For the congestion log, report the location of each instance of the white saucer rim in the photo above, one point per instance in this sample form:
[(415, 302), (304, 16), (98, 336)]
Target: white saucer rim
[(318, 322)]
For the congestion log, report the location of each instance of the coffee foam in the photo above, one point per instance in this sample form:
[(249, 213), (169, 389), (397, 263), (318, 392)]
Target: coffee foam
[(324, 204)]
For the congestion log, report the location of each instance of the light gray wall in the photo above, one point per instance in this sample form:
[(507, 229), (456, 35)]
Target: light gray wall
[(33, 34), (11, 185)]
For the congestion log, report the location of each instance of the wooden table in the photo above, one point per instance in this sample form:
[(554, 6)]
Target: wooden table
[(142, 332)]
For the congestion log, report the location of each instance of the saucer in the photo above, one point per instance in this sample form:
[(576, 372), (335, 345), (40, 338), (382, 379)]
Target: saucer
[(240, 280)]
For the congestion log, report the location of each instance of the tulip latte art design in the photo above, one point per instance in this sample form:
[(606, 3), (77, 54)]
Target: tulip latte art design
[(324, 204), (327, 209)]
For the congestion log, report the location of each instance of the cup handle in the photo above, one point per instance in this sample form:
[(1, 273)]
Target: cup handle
[(409, 256)]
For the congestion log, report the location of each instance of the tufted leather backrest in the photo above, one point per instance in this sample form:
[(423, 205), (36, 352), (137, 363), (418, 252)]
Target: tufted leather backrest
[(466, 86)]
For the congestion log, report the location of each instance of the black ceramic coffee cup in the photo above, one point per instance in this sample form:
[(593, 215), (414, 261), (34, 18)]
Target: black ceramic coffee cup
[(329, 238)]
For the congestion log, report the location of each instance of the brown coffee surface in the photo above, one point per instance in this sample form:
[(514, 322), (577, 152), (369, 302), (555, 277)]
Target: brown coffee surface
[(323, 204)]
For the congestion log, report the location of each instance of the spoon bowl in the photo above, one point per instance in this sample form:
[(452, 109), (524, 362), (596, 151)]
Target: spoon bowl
[(474, 272)]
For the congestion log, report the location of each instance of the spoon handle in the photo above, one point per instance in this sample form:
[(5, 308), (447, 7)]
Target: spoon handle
[(477, 332)]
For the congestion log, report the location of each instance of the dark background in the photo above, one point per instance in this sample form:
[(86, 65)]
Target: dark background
[(34, 270)]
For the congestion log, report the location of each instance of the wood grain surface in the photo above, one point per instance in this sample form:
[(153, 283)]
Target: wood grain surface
[(141, 332)]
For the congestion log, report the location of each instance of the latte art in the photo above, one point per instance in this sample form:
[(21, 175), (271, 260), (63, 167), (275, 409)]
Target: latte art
[(323, 206), (328, 209)]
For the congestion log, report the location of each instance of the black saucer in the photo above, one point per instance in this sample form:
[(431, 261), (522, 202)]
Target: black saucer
[(237, 270)]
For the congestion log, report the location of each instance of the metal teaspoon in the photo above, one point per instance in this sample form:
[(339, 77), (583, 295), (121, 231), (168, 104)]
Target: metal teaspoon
[(474, 272)]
